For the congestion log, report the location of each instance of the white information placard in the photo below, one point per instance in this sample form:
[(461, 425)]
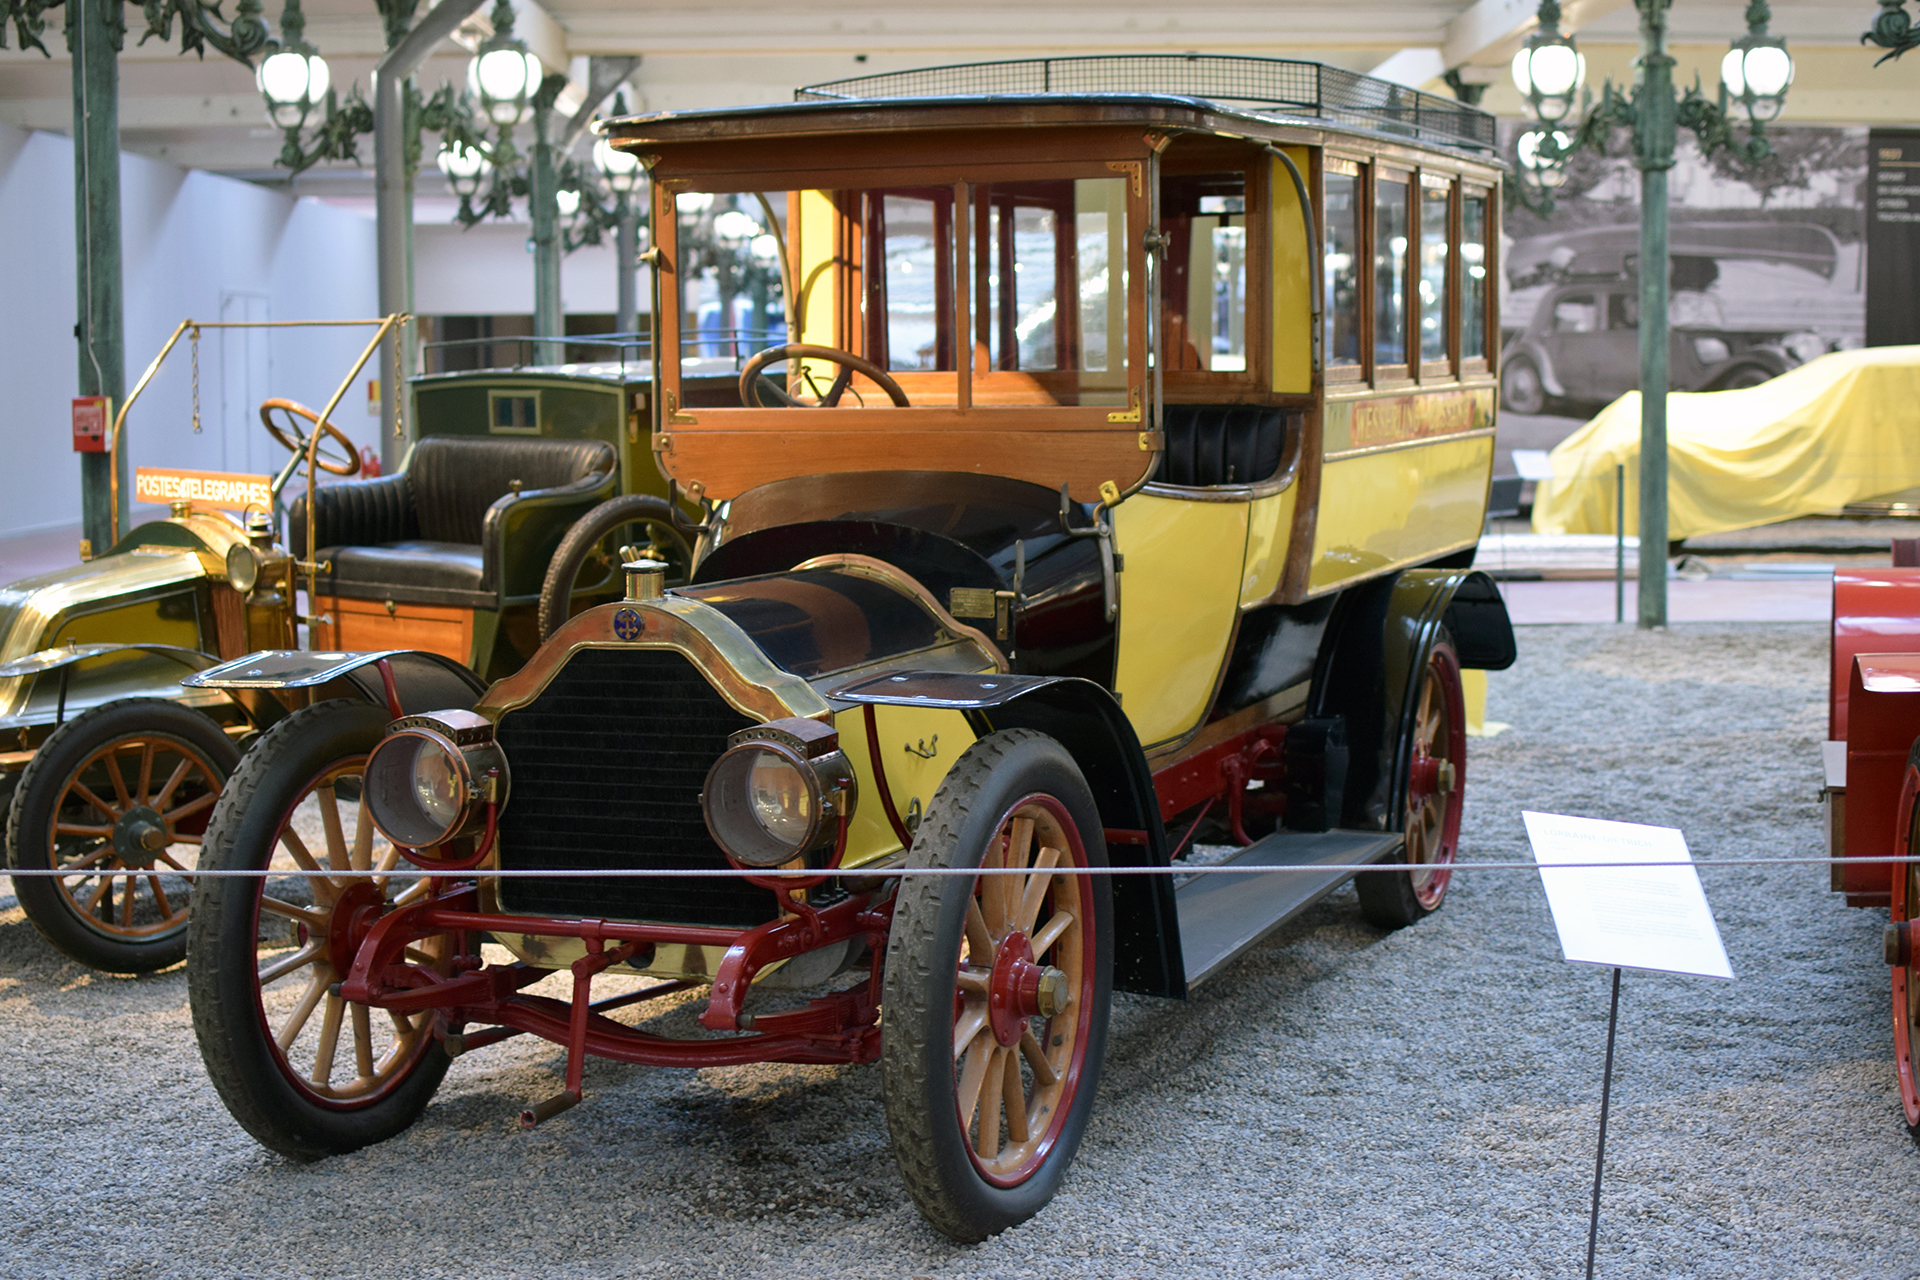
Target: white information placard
[(1653, 918)]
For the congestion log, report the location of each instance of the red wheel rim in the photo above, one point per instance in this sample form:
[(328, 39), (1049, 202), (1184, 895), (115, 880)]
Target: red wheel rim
[(1025, 973), (1906, 989), (350, 1055), (1436, 777)]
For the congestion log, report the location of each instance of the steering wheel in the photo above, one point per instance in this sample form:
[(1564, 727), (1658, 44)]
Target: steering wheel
[(289, 437), (849, 363)]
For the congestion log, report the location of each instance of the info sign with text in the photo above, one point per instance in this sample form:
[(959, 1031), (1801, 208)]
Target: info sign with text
[(1631, 917)]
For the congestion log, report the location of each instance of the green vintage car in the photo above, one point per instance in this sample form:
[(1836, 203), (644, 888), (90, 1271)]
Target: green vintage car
[(508, 515)]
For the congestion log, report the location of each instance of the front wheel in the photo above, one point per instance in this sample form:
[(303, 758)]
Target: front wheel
[(122, 792), (1900, 946), (1430, 813), (303, 1070), (994, 1016), (585, 570), (1521, 389)]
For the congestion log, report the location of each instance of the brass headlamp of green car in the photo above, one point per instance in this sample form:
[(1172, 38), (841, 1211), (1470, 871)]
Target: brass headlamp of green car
[(433, 778), (779, 792)]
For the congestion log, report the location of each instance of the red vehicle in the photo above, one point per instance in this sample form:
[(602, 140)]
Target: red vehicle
[(1872, 765)]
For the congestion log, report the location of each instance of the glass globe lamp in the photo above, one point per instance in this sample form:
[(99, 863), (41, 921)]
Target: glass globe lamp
[(465, 168), (293, 81)]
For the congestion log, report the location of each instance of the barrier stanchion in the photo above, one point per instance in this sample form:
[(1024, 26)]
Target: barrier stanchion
[(1619, 542)]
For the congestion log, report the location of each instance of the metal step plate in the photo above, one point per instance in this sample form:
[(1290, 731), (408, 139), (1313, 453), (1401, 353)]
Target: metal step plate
[(1223, 915)]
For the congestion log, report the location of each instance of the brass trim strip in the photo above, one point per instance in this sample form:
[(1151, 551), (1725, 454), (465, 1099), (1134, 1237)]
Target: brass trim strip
[(1478, 433)]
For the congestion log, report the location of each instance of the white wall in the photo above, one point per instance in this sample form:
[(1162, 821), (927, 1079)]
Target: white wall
[(193, 245), (486, 270)]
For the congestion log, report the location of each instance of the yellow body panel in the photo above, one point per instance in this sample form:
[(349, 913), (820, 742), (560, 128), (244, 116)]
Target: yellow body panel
[(1269, 533), (1179, 599), (1397, 506), (910, 776), (1292, 281)]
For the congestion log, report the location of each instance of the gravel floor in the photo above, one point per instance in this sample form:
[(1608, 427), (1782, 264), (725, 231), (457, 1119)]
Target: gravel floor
[(1341, 1102)]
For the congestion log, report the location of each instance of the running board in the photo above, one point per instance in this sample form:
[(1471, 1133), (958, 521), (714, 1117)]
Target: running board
[(1223, 915)]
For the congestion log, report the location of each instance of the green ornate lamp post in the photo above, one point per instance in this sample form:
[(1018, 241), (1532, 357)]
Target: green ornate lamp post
[(626, 178), (1755, 74)]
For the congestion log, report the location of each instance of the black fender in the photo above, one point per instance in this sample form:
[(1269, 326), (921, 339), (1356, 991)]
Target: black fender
[(1083, 717), (422, 681), (1371, 661)]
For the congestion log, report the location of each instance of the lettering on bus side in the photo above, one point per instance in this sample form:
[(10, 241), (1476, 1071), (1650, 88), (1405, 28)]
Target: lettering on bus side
[(1366, 424)]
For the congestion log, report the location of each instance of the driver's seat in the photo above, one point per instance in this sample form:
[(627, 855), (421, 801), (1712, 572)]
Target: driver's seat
[(468, 522)]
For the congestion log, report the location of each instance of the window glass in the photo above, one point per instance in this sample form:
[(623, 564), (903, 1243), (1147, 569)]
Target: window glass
[(916, 234), (1050, 281), (1342, 271), (1623, 311), (730, 288), (1576, 315), (1204, 217), (1434, 219), (1473, 278), (1390, 248)]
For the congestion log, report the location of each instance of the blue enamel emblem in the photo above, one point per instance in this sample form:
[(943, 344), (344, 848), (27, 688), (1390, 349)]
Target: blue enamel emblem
[(626, 625)]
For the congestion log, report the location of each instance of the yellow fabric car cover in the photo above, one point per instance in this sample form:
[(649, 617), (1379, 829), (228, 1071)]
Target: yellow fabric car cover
[(1838, 429)]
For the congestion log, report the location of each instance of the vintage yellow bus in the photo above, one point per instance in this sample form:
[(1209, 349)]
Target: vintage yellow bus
[(1111, 441)]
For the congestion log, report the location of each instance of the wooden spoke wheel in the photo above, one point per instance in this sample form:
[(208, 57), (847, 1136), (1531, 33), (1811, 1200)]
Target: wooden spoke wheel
[(586, 567), (122, 792), (1900, 947), (997, 988), (304, 1070), (1436, 779)]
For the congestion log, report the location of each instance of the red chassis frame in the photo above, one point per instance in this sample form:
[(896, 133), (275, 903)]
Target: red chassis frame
[(842, 1027)]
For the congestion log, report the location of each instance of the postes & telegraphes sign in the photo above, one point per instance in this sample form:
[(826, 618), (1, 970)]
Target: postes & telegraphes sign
[(221, 490), (1388, 420)]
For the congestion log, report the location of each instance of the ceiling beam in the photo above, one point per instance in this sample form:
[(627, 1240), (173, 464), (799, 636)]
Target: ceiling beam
[(1490, 32)]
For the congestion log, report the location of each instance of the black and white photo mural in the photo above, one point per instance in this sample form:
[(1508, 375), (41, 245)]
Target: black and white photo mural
[(1768, 260)]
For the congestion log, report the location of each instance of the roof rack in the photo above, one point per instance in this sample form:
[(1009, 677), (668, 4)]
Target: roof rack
[(1265, 86)]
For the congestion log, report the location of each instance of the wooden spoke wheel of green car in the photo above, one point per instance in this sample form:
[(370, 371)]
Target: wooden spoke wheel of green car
[(997, 987), (585, 570), (1436, 781), (302, 1069), (122, 792)]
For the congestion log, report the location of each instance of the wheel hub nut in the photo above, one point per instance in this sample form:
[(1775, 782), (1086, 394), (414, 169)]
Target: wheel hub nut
[(138, 835), (1053, 994)]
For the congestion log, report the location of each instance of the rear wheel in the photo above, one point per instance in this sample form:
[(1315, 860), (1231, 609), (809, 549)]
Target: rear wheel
[(122, 792), (1430, 812), (995, 1007), (1520, 387), (585, 570), (303, 1070), (1746, 375)]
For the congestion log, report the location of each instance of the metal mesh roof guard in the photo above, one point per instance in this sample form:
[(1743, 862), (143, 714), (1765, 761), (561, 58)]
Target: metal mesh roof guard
[(1277, 86)]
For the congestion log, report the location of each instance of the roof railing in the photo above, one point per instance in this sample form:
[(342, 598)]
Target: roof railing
[(1263, 86)]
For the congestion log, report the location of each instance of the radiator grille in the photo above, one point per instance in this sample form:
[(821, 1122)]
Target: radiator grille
[(607, 767)]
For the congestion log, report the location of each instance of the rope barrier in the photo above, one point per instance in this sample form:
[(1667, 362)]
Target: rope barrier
[(890, 873)]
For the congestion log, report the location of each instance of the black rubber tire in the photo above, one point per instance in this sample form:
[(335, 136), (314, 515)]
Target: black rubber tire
[(585, 535), (1743, 376), (222, 981), (917, 1061), (1393, 899), (30, 816), (1521, 388)]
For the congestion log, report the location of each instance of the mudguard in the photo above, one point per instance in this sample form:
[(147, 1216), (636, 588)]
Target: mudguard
[(422, 681), (1371, 661), (66, 655), (1874, 611), (1085, 719)]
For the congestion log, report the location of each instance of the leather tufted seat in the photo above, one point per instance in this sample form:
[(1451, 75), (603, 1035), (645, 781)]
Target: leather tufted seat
[(1216, 444), (434, 531)]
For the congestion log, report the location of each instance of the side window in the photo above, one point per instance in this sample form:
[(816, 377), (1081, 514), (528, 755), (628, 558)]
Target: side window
[(916, 240), (1623, 311), (1473, 277), (1049, 282), (1344, 232), (1391, 249), (1577, 314), (1204, 217), (1436, 269)]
